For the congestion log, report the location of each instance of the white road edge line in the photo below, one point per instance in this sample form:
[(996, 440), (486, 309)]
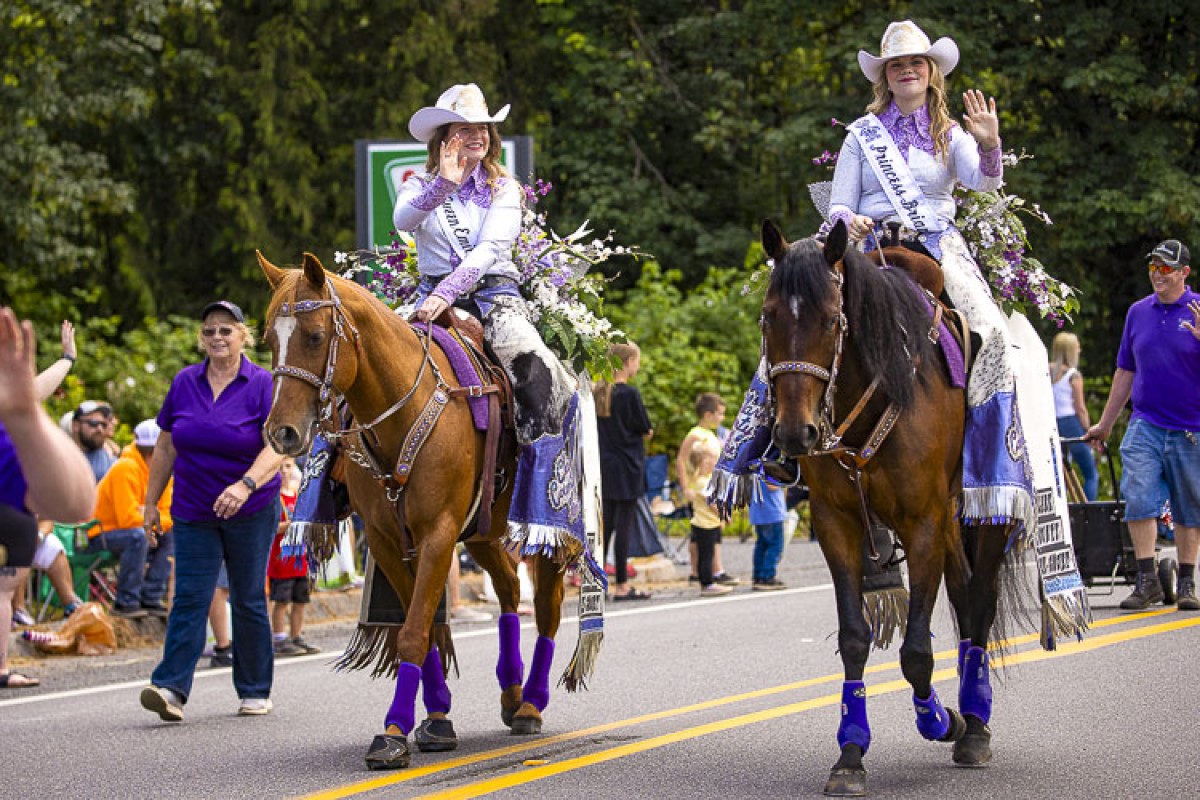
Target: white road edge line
[(487, 630)]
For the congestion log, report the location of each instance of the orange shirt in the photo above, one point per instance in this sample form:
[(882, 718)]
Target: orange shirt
[(121, 493)]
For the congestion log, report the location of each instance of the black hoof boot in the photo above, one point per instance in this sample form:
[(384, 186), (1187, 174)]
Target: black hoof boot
[(435, 736), (388, 751), (975, 748), (957, 729)]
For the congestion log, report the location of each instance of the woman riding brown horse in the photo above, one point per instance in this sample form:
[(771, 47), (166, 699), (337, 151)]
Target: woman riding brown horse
[(331, 337), (865, 403)]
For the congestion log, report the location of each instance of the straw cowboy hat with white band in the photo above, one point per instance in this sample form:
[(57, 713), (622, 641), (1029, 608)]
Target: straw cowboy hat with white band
[(460, 103), (906, 39)]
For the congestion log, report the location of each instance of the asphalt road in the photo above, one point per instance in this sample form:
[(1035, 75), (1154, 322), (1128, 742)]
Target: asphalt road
[(727, 697)]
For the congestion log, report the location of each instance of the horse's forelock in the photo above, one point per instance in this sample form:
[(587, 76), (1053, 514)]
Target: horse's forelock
[(802, 274)]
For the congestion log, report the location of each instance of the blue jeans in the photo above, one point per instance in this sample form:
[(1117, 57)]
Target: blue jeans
[(131, 547), (243, 544), (1081, 455), (768, 547)]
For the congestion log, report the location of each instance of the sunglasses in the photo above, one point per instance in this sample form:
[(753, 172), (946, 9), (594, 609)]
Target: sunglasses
[(1163, 269), (93, 423), (224, 330)]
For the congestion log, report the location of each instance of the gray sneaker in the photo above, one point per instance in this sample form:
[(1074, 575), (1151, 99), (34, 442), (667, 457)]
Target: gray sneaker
[(1185, 595), (164, 702), (1146, 592), (288, 647)]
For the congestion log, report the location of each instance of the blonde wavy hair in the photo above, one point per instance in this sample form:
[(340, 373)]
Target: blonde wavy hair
[(491, 160), (1064, 352), (935, 100)]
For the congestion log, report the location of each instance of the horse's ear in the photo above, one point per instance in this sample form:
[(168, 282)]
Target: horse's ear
[(773, 241), (274, 274), (314, 273), (835, 243)]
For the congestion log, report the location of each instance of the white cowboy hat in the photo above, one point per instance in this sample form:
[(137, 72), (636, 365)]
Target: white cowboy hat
[(906, 39), (460, 103)]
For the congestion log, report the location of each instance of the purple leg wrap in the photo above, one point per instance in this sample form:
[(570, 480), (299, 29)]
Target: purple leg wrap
[(402, 712), (537, 688), (975, 687), (933, 720), (963, 646), (434, 690), (509, 667), (854, 728)]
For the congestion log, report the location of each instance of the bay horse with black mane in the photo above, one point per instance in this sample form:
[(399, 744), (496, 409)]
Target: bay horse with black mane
[(331, 338), (864, 402)]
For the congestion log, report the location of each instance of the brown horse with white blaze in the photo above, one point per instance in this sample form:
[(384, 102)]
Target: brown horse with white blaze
[(864, 403), (331, 338)]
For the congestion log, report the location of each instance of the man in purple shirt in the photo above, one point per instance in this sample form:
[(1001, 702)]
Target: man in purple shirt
[(1158, 367)]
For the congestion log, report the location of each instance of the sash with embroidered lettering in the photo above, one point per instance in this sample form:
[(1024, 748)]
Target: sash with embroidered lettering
[(453, 216), (893, 174)]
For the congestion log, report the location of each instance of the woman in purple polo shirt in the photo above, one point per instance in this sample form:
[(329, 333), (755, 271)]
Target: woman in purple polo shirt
[(225, 507)]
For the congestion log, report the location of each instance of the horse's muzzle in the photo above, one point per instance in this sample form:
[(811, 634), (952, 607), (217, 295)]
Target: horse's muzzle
[(794, 440)]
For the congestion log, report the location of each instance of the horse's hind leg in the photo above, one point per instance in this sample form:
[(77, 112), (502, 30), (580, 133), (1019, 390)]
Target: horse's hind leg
[(547, 605), (510, 670), (987, 545), (436, 733)]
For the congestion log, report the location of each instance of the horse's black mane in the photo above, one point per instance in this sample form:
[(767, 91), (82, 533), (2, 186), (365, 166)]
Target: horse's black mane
[(887, 317)]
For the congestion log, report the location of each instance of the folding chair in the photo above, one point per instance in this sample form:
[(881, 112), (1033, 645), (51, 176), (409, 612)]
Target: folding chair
[(89, 571), (669, 517)]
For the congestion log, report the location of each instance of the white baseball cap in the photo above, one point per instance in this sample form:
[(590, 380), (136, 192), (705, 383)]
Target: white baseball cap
[(146, 433)]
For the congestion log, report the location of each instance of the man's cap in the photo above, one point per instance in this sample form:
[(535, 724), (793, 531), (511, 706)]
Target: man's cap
[(146, 433), (223, 305), (1171, 252), (91, 407)]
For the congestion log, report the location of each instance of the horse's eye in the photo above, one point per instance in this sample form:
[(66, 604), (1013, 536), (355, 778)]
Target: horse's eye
[(831, 322), (315, 337)]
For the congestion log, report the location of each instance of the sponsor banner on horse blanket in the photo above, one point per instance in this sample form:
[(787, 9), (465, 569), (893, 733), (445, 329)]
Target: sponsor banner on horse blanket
[(1065, 610)]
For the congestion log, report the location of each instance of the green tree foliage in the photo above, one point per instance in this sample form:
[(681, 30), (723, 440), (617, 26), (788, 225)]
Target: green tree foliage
[(148, 147)]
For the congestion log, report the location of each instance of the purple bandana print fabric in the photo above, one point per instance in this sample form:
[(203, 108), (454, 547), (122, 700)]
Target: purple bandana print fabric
[(908, 131)]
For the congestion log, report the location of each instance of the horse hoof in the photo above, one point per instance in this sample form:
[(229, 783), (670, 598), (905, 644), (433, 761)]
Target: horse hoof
[(975, 748), (527, 721), (388, 752), (846, 782), (957, 729), (435, 736), (510, 704)]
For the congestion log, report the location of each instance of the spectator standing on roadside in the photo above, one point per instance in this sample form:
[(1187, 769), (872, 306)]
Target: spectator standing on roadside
[(768, 510), (623, 427), (145, 556), (226, 507), (1070, 409), (288, 577), (710, 412), (1158, 367), (41, 472)]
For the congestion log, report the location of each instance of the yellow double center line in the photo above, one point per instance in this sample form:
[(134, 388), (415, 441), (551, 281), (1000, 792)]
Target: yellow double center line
[(511, 780)]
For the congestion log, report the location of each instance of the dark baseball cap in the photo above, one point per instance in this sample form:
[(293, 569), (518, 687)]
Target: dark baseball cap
[(1171, 252), (91, 407), (223, 305)]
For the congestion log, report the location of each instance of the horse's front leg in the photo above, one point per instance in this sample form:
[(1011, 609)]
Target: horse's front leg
[(547, 606), (987, 547), (510, 669), (934, 720), (840, 537), (390, 750)]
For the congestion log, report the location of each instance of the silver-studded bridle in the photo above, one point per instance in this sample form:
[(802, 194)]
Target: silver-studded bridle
[(341, 324)]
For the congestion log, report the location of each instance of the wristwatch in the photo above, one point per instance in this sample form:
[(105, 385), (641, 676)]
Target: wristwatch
[(250, 484)]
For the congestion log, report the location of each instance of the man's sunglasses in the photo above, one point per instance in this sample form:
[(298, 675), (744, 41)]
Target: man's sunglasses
[(224, 330), (93, 423), (1162, 269)]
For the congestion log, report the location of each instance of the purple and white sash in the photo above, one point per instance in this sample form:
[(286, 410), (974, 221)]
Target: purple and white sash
[(893, 174)]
